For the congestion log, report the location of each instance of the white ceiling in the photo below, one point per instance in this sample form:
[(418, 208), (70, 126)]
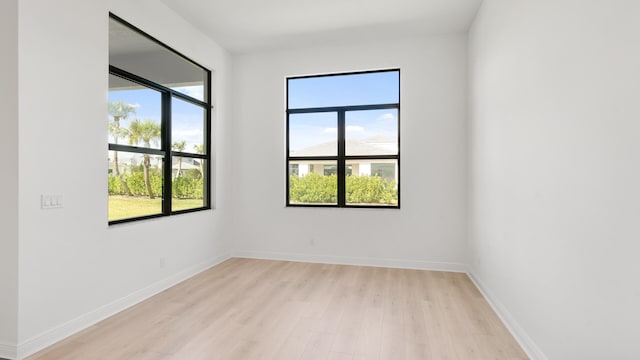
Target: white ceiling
[(253, 25)]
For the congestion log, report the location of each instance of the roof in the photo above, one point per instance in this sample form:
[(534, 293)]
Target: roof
[(376, 145)]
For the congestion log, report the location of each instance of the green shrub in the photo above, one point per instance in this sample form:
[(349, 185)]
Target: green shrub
[(192, 173), (315, 188), (183, 187), (371, 190), (135, 181), (187, 188), (136, 184), (115, 186)]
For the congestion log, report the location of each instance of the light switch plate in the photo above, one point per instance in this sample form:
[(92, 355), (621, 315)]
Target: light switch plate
[(51, 201)]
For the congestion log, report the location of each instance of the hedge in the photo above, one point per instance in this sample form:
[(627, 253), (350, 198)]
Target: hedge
[(313, 188), (371, 190), (316, 188), (182, 187), (188, 188)]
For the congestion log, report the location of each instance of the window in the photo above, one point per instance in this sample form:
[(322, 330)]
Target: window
[(343, 140), (159, 128)]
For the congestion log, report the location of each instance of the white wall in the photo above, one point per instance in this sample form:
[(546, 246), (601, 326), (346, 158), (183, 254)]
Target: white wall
[(9, 177), (73, 268), (429, 230), (555, 168)]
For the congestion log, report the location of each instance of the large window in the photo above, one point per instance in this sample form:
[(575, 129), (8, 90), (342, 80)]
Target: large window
[(159, 128), (343, 140)]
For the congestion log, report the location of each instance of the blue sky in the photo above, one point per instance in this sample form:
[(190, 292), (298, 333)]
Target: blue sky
[(187, 119), (307, 130), (354, 89)]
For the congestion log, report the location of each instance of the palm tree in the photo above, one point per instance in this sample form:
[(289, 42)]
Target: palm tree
[(119, 110), (179, 146), (145, 131), (200, 150)]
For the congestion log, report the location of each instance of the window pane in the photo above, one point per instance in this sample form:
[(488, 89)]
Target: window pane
[(344, 90), (371, 132), (135, 185), (188, 183), (187, 127), (330, 170), (372, 182), (134, 114), (313, 183), (314, 134), (131, 51)]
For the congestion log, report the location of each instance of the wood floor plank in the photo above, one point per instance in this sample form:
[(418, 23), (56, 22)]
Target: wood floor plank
[(318, 346), (263, 309)]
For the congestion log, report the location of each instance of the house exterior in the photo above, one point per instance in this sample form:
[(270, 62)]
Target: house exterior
[(373, 146), (125, 163)]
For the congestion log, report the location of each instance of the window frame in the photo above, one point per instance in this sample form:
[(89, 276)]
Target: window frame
[(166, 150), (341, 157)]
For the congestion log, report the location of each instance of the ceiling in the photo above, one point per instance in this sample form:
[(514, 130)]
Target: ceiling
[(243, 26), (124, 41)]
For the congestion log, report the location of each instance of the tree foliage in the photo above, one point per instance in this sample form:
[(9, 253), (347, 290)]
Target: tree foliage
[(199, 148), (179, 146), (120, 110), (145, 131)]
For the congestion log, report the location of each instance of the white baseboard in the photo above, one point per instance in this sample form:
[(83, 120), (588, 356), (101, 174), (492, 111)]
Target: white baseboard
[(526, 342), (344, 260), (8, 351), (82, 322)]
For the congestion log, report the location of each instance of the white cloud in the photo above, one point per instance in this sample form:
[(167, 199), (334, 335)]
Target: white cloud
[(386, 117), (181, 134), (193, 91), (193, 137), (354, 128), (331, 130)]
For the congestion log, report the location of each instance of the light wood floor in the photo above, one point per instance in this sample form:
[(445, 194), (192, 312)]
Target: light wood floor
[(260, 309)]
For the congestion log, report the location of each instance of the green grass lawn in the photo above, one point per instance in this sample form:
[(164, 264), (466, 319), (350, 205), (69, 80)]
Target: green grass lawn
[(125, 207)]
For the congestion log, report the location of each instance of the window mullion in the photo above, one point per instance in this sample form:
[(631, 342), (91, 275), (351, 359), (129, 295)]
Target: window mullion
[(288, 154), (341, 159), (208, 130), (166, 146)]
